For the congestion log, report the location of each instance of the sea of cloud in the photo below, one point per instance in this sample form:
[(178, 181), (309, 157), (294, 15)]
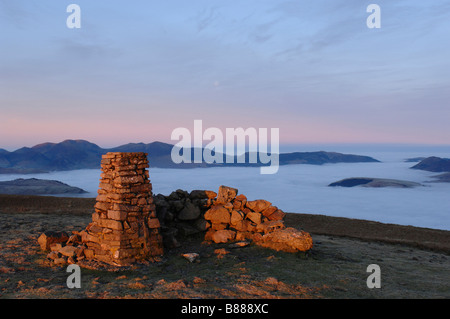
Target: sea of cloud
[(304, 189)]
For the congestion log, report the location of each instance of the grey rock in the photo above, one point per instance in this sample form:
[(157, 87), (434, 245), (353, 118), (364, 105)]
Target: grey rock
[(189, 212)]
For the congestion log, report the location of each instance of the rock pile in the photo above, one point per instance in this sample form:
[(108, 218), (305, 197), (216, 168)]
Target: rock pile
[(64, 248), (224, 217), (233, 217), (124, 226), (47, 239), (182, 214)]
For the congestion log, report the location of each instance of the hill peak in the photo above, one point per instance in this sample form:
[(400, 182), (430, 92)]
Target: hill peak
[(434, 164)]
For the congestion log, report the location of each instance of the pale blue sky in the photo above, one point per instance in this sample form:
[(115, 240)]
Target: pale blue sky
[(136, 70)]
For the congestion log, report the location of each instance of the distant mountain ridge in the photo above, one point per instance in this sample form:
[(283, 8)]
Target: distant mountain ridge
[(434, 164), (81, 154), (34, 186), (374, 182)]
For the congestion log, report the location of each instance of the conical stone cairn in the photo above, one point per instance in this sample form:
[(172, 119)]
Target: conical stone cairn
[(124, 227)]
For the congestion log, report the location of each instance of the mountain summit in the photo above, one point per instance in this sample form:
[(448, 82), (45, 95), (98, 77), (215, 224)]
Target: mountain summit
[(434, 164)]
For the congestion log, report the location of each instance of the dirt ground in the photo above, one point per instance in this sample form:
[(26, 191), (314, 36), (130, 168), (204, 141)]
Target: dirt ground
[(414, 262)]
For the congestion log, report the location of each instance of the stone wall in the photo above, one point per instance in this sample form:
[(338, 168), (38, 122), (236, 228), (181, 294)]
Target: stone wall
[(224, 217), (182, 214), (185, 213)]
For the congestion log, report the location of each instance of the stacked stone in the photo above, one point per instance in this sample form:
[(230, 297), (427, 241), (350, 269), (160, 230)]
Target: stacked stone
[(124, 227), (181, 214), (233, 217)]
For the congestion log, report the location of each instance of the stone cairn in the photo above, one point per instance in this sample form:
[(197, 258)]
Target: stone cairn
[(124, 227), (130, 224)]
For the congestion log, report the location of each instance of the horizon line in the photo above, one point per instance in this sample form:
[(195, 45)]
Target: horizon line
[(287, 144)]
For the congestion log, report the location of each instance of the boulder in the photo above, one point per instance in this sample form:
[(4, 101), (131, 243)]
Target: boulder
[(239, 202), (211, 194), (289, 240), (218, 214), (53, 255), (228, 206), (226, 194), (243, 235), (160, 201), (202, 194), (258, 205), (209, 233), (74, 239), (59, 261), (239, 244), (254, 217), (223, 236), (191, 256), (269, 211), (177, 205), (218, 226), (173, 196), (189, 212), (201, 224), (236, 216), (241, 198), (270, 226), (242, 225), (50, 237), (277, 215), (68, 251), (182, 193), (55, 246)]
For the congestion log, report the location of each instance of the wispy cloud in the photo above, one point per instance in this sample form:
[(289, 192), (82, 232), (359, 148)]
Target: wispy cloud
[(14, 13), (206, 17)]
